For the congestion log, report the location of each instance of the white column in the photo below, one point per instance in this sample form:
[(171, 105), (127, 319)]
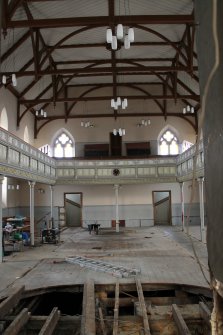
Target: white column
[(31, 206), (51, 204), (116, 187), (201, 197), (182, 205), (1, 235)]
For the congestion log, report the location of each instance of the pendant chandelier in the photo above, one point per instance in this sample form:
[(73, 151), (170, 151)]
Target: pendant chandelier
[(41, 113), (188, 109), (86, 124), (144, 123), (123, 103), (9, 79), (119, 131), (127, 37)]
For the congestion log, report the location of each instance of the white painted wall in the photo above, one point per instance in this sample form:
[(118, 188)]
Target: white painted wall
[(103, 126), (105, 194)]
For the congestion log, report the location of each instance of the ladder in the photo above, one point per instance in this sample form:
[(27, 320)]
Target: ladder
[(115, 270)]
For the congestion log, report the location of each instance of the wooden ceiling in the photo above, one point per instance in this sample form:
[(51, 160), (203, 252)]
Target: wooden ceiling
[(58, 50)]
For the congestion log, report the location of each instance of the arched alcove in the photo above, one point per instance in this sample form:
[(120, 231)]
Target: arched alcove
[(26, 134), (4, 119)]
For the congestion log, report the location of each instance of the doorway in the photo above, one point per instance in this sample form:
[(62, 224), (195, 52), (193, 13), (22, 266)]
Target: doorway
[(162, 207), (73, 209), (115, 145)]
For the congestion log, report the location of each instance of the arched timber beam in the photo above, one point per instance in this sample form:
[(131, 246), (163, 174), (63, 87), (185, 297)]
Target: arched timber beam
[(162, 37), (108, 85)]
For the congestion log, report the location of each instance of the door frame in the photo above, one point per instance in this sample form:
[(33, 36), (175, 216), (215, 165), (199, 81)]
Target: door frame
[(81, 206), (170, 206)]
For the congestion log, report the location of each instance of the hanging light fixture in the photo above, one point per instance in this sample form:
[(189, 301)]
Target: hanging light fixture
[(109, 35), (86, 124), (113, 39), (119, 131), (125, 34), (144, 123), (4, 79), (9, 79), (119, 31), (14, 80), (131, 35), (188, 109), (41, 113), (128, 37), (119, 103), (114, 43)]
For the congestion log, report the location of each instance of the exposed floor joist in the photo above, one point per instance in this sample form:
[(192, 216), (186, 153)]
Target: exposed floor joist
[(88, 314), (50, 323), (146, 327), (10, 302)]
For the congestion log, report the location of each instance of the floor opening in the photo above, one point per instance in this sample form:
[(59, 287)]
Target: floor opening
[(98, 309), (68, 303)]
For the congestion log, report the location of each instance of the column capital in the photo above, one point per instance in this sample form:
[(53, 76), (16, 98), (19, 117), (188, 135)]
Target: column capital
[(31, 183), (116, 186), (200, 179), (1, 178)]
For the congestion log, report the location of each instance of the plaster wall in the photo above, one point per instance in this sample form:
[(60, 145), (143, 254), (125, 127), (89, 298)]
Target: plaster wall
[(103, 126)]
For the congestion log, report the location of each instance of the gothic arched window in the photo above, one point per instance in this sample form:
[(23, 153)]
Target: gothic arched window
[(63, 146), (168, 143)]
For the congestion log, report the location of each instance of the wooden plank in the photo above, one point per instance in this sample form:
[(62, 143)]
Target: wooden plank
[(17, 324), (50, 323), (205, 313), (143, 307), (88, 326), (116, 310), (180, 323), (102, 323), (10, 302)]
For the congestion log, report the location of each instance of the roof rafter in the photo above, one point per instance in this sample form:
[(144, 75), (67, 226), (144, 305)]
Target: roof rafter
[(102, 21), (100, 98), (119, 69)]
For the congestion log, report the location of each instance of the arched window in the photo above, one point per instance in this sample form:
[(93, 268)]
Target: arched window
[(168, 143), (4, 119), (26, 135), (63, 146)]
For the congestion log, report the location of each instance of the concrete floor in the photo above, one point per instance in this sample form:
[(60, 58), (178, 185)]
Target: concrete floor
[(162, 254)]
